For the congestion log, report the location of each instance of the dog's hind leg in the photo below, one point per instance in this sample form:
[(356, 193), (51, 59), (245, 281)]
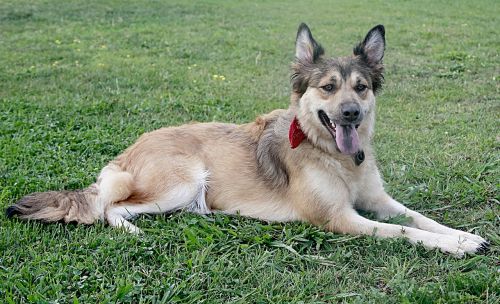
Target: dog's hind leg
[(182, 186)]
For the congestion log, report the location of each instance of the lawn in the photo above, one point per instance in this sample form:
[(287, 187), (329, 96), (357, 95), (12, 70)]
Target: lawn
[(81, 80)]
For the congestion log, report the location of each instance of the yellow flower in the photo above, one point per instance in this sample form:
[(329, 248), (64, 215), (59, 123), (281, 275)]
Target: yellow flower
[(219, 77)]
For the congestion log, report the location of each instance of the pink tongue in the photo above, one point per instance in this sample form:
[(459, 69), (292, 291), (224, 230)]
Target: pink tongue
[(347, 139)]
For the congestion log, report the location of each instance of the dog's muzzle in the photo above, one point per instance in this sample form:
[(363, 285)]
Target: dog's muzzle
[(345, 132)]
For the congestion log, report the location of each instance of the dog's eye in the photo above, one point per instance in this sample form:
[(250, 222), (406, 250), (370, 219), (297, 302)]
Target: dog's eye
[(328, 87), (360, 87)]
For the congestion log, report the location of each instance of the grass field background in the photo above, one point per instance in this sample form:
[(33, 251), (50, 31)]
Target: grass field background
[(81, 80)]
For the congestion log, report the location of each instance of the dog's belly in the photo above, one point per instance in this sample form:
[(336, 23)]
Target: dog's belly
[(273, 211)]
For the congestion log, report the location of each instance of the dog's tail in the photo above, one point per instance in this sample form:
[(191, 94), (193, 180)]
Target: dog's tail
[(68, 206), (82, 206)]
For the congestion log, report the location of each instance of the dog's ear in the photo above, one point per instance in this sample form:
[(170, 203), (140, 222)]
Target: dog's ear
[(307, 50), (371, 51), (372, 48)]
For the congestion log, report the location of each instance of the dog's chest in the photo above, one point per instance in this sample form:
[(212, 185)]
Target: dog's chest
[(332, 183)]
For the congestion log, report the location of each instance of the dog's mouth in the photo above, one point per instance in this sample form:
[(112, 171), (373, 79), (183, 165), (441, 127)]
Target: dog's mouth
[(345, 135)]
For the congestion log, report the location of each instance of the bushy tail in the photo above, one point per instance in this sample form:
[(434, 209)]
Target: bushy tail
[(69, 206)]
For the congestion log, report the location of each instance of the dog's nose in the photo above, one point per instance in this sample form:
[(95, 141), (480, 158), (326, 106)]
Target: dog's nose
[(350, 111)]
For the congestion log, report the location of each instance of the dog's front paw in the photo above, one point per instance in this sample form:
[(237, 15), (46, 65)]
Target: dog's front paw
[(484, 247), (461, 245), (471, 237)]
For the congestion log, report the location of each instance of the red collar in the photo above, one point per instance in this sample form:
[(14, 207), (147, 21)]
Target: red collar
[(295, 134)]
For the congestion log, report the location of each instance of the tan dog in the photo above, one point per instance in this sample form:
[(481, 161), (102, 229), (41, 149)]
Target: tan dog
[(313, 162)]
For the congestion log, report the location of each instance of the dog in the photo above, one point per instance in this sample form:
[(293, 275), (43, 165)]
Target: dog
[(312, 162)]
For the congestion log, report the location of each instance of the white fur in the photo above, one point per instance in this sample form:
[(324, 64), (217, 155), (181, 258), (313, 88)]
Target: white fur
[(189, 196), (351, 222), (113, 186), (336, 188), (199, 204), (375, 46), (304, 48)]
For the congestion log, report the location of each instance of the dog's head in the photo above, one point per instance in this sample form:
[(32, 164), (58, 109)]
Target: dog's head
[(335, 97)]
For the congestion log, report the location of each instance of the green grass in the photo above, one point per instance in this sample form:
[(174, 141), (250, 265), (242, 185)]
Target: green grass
[(81, 80)]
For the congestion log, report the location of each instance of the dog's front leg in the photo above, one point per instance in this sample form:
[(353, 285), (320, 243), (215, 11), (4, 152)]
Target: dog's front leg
[(348, 221), (386, 207), (373, 198)]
